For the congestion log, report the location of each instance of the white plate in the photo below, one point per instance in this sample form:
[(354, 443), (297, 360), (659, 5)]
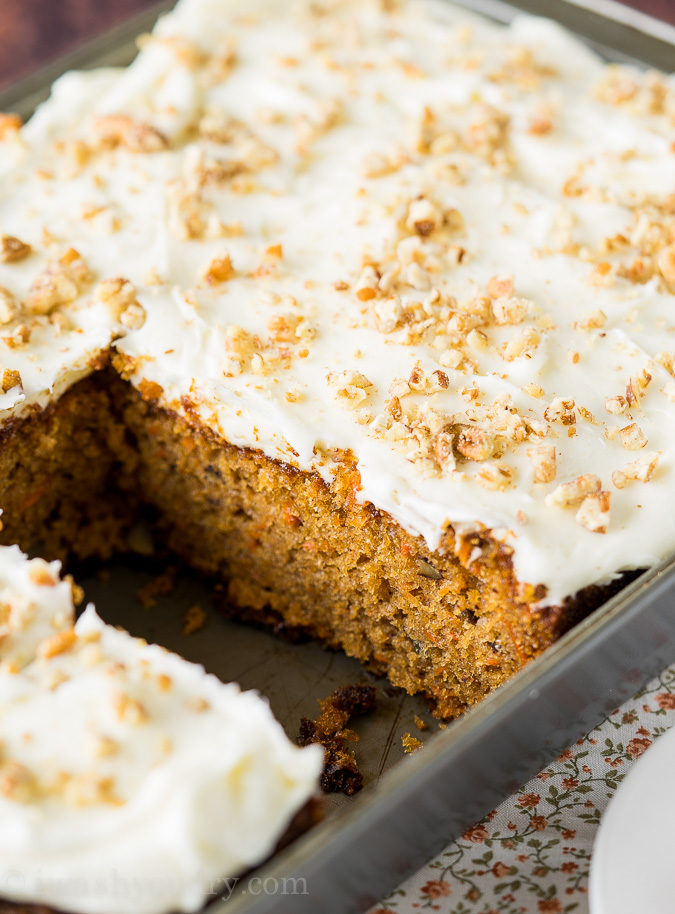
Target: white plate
[(633, 864)]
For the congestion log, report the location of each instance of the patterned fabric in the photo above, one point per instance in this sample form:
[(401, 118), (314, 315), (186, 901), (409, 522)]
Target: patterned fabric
[(532, 854)]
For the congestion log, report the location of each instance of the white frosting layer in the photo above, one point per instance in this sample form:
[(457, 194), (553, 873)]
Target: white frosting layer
[(130, 780), (319, 132)]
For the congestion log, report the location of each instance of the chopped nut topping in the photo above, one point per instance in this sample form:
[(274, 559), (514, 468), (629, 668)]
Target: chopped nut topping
[(666, 265), (444, 451), (57, 644), (13, 249), (219, 270), (120, 297), (593, 513), (9, 306), (561, 410), (59, 284), (10, 124), (594, 321), (641, 470), (572, 493), (510, 309), (543, 459), (616, 405), (632, 437), (522, 345), (120, 130), (500, 286), (475, 443), (496, 475), (10, 379), (17, 783), (129, 710), (351, 387)]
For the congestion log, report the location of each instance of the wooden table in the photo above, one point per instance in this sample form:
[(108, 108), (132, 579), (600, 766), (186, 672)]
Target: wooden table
[(33, 31)]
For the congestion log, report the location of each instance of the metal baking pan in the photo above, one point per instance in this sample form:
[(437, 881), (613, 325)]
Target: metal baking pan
[(412, 806)]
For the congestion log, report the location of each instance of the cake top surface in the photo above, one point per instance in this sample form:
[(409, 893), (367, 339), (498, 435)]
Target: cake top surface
[(159, 782), (386, 228)]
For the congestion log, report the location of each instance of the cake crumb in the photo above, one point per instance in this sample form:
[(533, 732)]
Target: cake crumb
[(159, 586), (411, 743), (341, 772), (194, 620), (420, 724)]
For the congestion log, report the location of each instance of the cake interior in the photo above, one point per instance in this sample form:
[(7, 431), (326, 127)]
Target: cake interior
[(293, 552)]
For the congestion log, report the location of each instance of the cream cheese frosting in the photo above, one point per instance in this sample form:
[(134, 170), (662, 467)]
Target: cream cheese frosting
[(130, 780), (394, 229)]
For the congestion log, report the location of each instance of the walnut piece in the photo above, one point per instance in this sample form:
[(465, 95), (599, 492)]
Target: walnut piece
[(572, 493), (640, 470), (543, 461), (10, 379), (593, 513), (13, 249), (59, 283)]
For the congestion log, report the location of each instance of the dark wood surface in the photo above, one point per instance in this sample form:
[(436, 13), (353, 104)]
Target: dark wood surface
[(34, 31)]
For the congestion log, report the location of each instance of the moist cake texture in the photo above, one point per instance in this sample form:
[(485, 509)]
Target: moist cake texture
[(385, 290), (130, 780)]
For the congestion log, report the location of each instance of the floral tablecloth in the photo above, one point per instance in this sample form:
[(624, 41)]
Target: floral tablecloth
[(532, 853)]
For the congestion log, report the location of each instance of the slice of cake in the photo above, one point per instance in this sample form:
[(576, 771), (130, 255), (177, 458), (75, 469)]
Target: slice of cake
[(130, 780), (387, 292)]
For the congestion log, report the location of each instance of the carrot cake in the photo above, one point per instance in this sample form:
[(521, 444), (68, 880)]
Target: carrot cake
[(370, 302), (130, 780)]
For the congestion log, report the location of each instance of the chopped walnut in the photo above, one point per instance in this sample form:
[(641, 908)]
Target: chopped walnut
[(543, 459), (572, 493), (56, 644), (640, 470), (9, 306), (117, 294), (666, 265), (495, 475), (10, 124), (120, 297), (593, 514), (129, 710), (376, 165), (10, 379), (136, 136), (13, 249), (616, 405), (522, 345), (351, 387), (593, 321), (387, 314), (290, 328), (239, 347), (500, 286), (561, 410), (423, 217), (511, 309), (219, 270), (17, 783), (444, 451), (632, 437), (475, 443), (59, 283)]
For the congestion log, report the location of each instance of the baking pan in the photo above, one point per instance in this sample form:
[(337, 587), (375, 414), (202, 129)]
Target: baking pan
[(412, 806)]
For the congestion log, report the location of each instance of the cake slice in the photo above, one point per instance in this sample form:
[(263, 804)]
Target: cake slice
[(130, 779)]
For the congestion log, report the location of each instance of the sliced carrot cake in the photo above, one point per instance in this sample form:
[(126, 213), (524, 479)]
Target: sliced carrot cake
[(130, 780)]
